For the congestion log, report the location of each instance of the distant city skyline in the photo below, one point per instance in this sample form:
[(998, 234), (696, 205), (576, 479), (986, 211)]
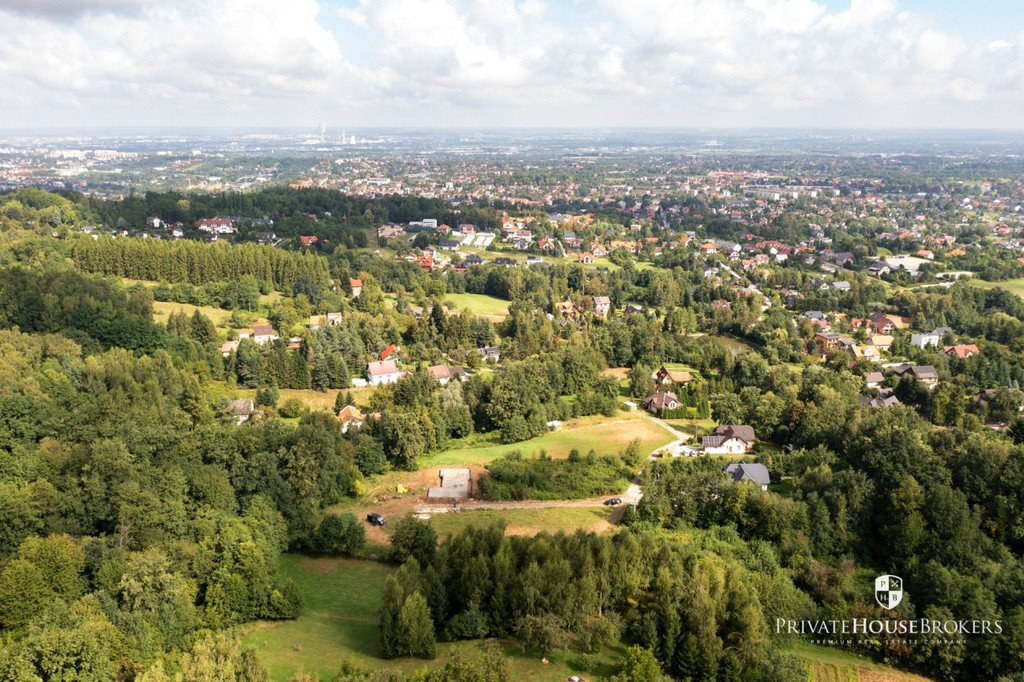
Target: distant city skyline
[(865, 64)]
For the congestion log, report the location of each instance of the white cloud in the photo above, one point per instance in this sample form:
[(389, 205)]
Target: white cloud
[(501, 62)]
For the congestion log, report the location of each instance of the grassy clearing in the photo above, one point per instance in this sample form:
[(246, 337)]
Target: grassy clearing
[(163, 309), (316, 400), (733, 344), (621, 373), (604, 434), (833, 665), (340, 621), (481, 304), (527, 521), (1015, 286), (691, 426)]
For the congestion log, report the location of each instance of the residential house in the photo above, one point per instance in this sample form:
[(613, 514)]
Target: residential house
[(843, 259), (883, 342), (263, 333), (660, 401), (586, 258), (215, 225), (229, 347), (925, 339), (566, 308), (357, 287), (873, 379), (384, 372), (602, 306), (667, 377), (888, 400), (828, 340), (926, 374), (308, 240), (350, 418), (879, 268), (445, 373), (490, 353), (242, 410), (729, 439), (883, 323), (328, 320), (743, 472), (858, 352), (961, 351), (816, 316)]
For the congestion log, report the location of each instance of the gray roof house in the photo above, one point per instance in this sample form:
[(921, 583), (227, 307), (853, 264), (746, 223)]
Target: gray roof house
[(753, 473), (241, 409)]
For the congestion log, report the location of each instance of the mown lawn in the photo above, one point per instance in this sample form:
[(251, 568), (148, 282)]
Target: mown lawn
[(1015, 286), (526, 521), (606, 435), (834, 665), (341, 598), (480, 304)]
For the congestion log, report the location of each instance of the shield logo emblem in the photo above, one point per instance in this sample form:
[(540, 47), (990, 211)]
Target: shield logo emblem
[(888, 591)]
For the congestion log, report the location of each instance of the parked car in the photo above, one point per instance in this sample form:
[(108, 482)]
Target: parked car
[(613, 502), (376, 519)]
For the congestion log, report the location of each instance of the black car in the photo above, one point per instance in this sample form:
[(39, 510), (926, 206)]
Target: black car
[(376, 519), (613, 502)]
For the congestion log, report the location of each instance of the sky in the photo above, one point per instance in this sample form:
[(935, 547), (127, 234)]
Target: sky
[(513, 63)]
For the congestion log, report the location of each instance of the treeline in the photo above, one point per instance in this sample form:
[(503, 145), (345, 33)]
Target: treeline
[(200, 263), (289, 207), (88, 309), (696, 607)]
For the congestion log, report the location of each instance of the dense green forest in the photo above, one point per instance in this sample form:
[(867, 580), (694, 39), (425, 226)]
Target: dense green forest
[(197, 263)]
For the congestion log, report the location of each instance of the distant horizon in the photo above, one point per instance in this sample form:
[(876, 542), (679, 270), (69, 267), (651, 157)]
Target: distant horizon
[(336, 130)]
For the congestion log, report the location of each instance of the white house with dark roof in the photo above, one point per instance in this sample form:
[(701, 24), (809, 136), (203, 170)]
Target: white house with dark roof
[(263, 333), (729, 439)]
